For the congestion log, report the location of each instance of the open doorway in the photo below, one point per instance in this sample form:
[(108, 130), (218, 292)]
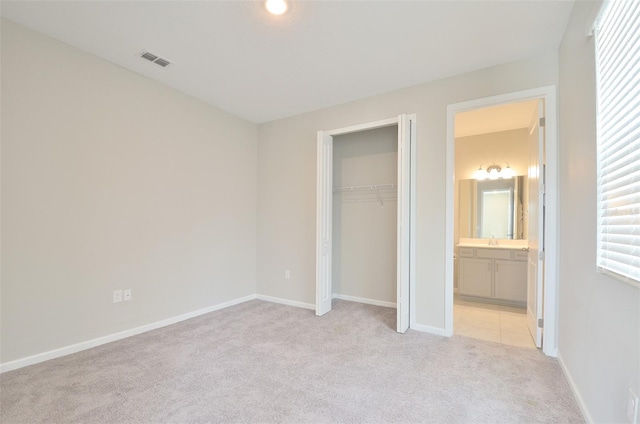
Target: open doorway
[(491, 221), (401, 190), (500, 287)]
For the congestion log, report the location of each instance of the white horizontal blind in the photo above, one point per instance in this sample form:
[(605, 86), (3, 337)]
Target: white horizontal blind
[(618, 66)]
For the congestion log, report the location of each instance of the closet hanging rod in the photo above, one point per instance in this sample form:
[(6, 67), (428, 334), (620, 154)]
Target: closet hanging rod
[(365, 187)]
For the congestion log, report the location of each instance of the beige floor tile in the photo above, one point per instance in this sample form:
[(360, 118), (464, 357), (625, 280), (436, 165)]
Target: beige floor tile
[(470, 324), (483, 306), (496, 323), (463, 303), (481, 314), (517, 339), (478, 333), (513, 317), (514, 326), (513, 310)]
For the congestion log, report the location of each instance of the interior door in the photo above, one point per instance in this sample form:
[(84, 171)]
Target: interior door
[(324, 223), (535, 218), (405, 127), (406, 133)]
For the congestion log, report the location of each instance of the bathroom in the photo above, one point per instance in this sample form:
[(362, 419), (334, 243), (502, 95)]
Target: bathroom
[(494, 205)]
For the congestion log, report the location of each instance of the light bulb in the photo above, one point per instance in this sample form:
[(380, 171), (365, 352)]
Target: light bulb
[(276, 7), (480, 174), (507, 173)]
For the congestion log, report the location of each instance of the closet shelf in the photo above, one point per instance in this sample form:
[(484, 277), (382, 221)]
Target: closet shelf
[(368, 193), (364, 188)]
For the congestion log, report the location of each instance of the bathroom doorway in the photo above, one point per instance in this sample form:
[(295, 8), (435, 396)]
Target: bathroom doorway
[(500, 275)]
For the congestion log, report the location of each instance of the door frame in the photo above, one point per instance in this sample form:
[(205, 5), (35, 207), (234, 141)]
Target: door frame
[(406, 208), (548, 93)]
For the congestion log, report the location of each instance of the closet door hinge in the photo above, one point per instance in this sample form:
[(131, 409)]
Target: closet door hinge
[(540, 323), (543, 122), (541, 255)]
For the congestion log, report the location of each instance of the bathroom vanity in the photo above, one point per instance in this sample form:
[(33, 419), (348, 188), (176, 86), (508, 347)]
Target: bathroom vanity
[(495, 274)]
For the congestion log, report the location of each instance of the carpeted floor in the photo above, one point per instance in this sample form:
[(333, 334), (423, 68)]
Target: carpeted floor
[(261, 362)]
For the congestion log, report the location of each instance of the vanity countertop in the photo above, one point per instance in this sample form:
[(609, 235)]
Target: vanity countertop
[(502, 244)]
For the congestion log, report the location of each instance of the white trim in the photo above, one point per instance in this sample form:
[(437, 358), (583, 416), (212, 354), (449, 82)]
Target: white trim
[(364, 127), (581, 403), (621, 278), (450, 180), (412, 222), (286, 302), (548, 93), (365, 300), (324, 223), (594, 17), (412, 203), (68, 350), (431, 330)]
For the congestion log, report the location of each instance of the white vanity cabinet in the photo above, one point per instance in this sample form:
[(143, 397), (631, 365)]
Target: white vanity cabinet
[(497, 275)]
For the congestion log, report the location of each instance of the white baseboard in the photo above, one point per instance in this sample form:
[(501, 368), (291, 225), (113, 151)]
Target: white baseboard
[(428, 329), (583, 406), (364, 300), (286, 302), (67, 350)]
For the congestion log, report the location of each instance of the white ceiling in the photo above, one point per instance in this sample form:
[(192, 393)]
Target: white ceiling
[(235, 56), (488, 120)]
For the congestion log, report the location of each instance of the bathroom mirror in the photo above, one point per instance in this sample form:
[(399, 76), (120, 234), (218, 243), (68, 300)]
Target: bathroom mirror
[(493, 208)]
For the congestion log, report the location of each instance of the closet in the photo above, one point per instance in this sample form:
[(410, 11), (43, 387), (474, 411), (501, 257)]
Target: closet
[(365, 209)]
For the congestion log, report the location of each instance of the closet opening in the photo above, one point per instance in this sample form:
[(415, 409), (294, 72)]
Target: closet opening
[(364, 222), (501, 275)]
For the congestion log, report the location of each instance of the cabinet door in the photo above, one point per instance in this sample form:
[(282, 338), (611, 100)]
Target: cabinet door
[(511, 280), (475, 277)]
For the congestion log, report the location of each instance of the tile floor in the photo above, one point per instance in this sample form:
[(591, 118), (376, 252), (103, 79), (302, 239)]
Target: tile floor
[(495, 323)]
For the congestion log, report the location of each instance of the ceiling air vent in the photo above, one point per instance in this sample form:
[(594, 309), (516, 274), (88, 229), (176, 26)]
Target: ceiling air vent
[(154, 59)]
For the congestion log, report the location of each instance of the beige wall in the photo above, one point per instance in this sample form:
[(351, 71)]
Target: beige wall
[(599, 333), (287, 178), (113, 181), (364, 229), (486, 149)]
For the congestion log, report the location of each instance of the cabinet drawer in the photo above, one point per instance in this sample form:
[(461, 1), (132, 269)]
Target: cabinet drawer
[(466, 252), (493, 253), (520, 255)]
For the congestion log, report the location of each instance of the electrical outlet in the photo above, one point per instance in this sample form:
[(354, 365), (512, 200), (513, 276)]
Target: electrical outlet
[(287, 274), (117, 296), (632, 407), (127, 295)]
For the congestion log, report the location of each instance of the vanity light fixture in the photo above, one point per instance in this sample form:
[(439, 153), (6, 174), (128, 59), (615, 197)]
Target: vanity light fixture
[(276, 7), (494, 172)]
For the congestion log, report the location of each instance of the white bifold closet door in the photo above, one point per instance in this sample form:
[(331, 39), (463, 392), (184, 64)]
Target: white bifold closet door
[(406, 135)]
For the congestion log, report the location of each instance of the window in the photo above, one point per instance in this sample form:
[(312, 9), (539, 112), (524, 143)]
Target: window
[(618, 69)]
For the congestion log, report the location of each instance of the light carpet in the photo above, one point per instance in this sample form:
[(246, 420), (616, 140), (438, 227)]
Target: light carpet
[(260, 362)]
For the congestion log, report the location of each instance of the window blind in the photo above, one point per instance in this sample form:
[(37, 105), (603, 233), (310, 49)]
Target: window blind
[(618, 69)]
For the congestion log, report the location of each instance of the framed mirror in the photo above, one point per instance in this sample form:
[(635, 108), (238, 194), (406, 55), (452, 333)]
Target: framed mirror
[(493, 208)]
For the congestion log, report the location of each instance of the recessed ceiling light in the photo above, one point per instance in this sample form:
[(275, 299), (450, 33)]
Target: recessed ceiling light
[(276, 7)]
